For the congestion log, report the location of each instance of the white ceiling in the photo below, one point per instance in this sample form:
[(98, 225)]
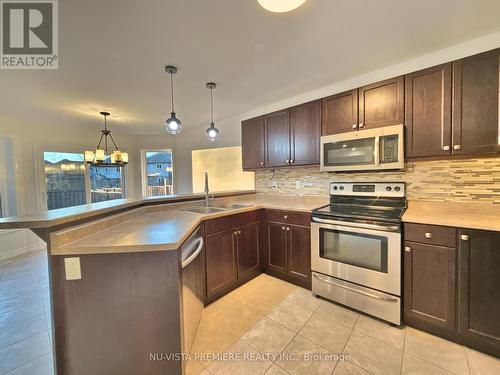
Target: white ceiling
[(113, 53)]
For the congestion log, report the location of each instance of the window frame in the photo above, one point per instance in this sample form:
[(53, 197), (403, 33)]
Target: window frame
[(144, 177), (41, 186)]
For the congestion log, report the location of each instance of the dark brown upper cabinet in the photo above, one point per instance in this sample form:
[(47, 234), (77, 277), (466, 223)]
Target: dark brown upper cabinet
[(475, 103), (252, 143), (381, 103), (340, 113), (479, 288), (305, 133), (428, 112), (277, 138)]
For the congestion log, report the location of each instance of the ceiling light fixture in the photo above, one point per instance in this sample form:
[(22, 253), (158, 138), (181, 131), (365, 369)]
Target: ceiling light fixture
[(101, 157), (212, 131), (280, 6), (172, 124)]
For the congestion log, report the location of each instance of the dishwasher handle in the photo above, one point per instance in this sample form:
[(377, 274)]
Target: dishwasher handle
[(194, 254)]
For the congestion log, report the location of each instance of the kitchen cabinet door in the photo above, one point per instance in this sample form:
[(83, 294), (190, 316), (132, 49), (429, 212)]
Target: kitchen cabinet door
[(252, 143), (248, 249), (305, 133), (429, 284), (277, 138), (299, 254), (340, 113), (428, 112), (479, 287), (381, 104), (475, 103), (220, 255), (276, 247)]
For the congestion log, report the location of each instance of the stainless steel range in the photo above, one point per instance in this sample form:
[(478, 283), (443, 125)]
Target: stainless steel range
[(356, 247)]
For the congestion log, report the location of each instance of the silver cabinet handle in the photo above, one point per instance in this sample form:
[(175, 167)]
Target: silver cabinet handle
[(287, 161), (283, 228), (261, 163), (464, 237), (428, 235), (285, 217), (457, 147), (287, 229), (355, 126), (446, 148), (239, 232), (361, 125), (408, 249), (351, 289), (292, 161)]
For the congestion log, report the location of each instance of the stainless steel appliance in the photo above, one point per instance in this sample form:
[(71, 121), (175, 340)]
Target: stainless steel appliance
[(356, 247), (371, 149), (192, 286)]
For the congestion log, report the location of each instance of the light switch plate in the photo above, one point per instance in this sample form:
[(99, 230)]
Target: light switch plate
[(298, 184), (72, 268)]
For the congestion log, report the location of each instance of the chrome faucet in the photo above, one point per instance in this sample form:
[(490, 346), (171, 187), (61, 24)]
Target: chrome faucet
[(206, 189)]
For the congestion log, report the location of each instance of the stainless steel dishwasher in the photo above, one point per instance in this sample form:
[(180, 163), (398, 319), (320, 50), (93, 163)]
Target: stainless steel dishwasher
[(192, 286)]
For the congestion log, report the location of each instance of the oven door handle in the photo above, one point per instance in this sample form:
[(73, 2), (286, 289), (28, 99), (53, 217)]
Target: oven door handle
[(351, 289), (389, 228)]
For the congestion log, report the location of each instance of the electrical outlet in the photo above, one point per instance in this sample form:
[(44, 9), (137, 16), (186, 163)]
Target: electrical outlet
[(72, 268), (298, 184), (275, 184)]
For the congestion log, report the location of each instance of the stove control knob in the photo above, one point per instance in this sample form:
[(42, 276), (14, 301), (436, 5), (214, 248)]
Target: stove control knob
[(341, 188), (335, 188), (397, 188), (388, 188)]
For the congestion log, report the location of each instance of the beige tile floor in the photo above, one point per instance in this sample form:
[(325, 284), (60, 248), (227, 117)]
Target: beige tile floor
[(268, 326), (276, 324)]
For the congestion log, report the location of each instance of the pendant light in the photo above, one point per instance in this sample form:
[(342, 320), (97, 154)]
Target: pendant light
[(172, 124), (280, 6), (101, 156), (212, 131)]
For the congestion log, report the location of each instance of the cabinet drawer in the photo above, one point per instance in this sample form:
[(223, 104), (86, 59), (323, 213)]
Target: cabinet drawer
[(289, 217), (231, 221), (430, 234)]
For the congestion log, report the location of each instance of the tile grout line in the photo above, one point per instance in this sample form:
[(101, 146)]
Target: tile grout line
[(403, 355)]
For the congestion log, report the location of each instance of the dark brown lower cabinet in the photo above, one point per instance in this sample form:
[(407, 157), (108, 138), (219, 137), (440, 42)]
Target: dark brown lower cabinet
[(288, 250), (454, 292), (299, 253), (221, 263), (248, 249), (429, 286), (276, 244), (479, 288)]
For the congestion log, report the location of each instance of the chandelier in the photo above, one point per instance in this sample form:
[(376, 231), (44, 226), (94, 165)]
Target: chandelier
[(101, 156)]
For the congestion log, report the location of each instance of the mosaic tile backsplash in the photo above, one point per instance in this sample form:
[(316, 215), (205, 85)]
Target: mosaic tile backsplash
[(461, 180)]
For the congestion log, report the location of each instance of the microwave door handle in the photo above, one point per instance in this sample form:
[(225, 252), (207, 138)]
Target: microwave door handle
[(376, 151)]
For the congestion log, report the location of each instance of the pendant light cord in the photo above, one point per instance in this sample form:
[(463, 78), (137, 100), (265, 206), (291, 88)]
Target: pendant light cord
[(172, 90), (212, 106)]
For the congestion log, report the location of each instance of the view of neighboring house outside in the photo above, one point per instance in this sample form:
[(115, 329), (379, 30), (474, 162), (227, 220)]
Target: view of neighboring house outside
[(67, 184), (159, 173)]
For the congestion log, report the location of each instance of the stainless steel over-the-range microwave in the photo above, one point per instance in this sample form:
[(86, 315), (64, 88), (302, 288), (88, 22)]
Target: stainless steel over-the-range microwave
[(371, 149)]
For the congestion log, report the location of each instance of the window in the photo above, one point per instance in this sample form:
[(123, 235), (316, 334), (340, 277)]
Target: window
[(224, 167), (70, 182), (158, 179)]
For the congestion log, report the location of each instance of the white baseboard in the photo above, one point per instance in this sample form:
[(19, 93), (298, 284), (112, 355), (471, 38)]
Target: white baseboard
[(17, 242)]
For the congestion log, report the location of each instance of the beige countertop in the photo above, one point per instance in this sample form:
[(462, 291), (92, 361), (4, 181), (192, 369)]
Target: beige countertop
[(166, 227), (67, 215), (454, 214)]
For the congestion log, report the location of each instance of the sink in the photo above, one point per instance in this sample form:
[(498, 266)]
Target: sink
[(206, 210), (235, 206)]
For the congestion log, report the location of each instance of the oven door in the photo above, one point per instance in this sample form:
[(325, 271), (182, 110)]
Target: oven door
[(364, 254)]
